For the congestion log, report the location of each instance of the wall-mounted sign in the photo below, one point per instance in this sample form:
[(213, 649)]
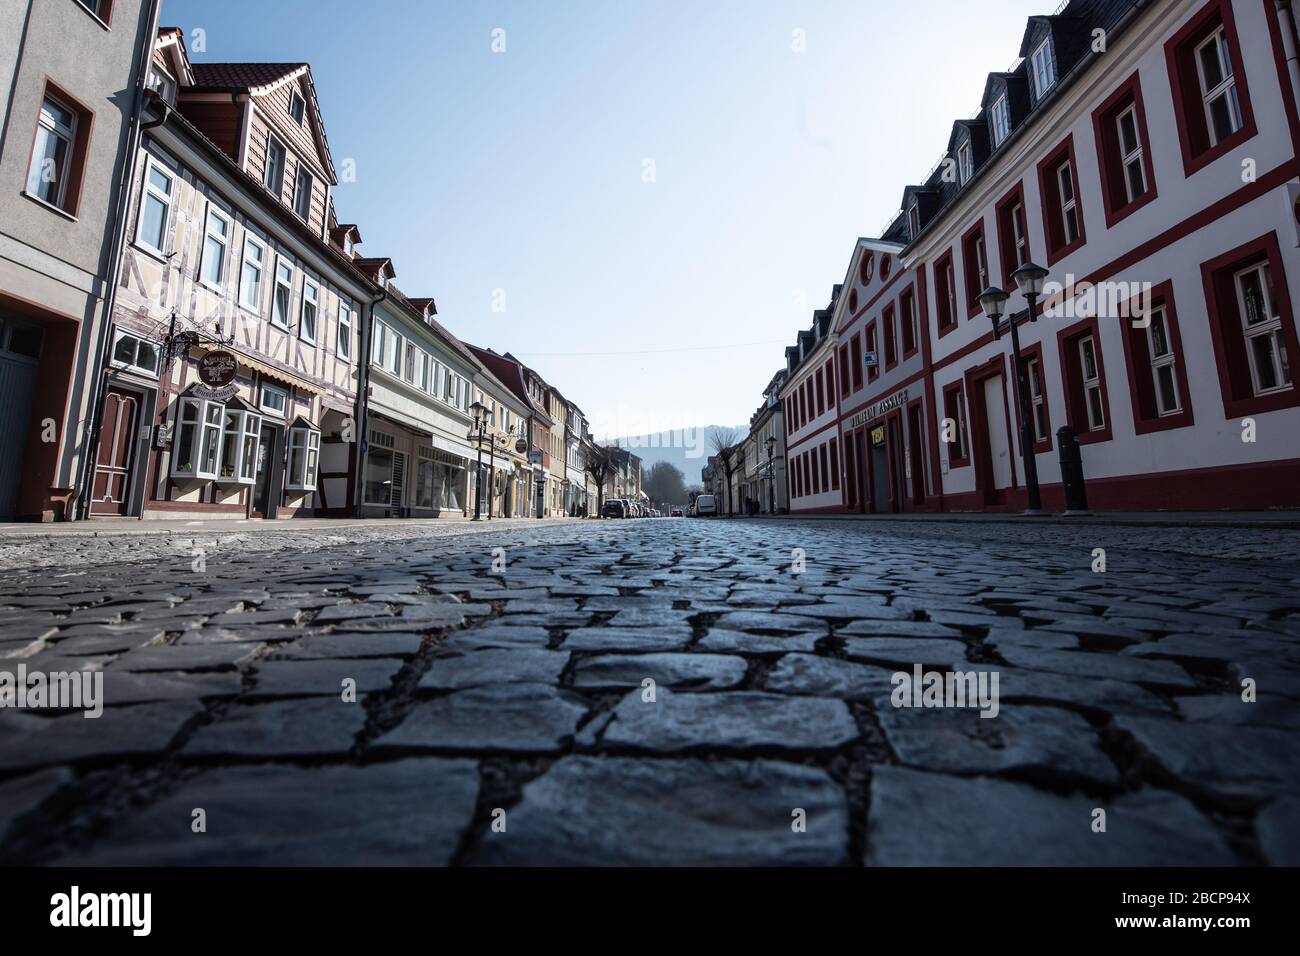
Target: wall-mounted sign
[(521, 446), (217, 373), (869, 360), (878, 435), (872, 412)]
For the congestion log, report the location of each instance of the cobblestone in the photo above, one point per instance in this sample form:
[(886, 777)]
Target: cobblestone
[(1128, 691)]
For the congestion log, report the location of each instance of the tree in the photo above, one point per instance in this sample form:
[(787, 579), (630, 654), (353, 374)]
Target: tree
[(665, 483), (727, 449), (600, 467)]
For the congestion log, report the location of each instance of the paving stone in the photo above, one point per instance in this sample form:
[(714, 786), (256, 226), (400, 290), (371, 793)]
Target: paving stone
[(900, 628), (678, 721), (1021, 737), (127, 687), (323, 678), (350, 613), (742, 642), (631, 812), (1278, 828), (670, 637), (1226, 759), (1213, 647), (903, 651), (1230, 709), (815, 676), (525, 718), (401, 813), (500, 633), (290, 728), (928, 819), (22, 795), (1103, 665), (696, 671), (390, 644), (853, 609), (511, 665), (1108, 696), (27, 740), (177, 657)]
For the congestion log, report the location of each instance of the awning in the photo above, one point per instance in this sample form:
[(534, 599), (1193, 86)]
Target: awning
[(436, 440), (279, 374)]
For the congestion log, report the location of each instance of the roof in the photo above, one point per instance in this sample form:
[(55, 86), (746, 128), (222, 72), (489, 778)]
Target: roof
[(243, 77)]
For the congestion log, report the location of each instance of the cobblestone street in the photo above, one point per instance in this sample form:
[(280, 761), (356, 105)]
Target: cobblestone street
[(501, 712)]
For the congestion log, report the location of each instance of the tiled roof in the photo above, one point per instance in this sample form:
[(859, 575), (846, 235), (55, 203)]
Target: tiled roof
[(232, 77), (424, 305)]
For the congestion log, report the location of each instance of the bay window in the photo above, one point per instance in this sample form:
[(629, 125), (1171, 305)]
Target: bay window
[(197, 448), (240, 435), (304, 458)]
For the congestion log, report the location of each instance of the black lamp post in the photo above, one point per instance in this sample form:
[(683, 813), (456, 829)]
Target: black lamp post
[(993, 300), (770, 442), (476, 432)]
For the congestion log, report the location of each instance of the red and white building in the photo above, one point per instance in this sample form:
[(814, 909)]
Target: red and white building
[(1146, 154)]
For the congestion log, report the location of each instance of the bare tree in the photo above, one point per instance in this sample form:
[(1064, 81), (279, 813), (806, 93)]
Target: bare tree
[(725, 446), (600, 467)]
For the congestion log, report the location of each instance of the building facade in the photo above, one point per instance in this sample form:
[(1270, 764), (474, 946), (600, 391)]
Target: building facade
[(810, 402)]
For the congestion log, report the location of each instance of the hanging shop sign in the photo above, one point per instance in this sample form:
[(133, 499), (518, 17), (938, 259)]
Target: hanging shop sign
[(217, 370), (521, 446), (872, 412)]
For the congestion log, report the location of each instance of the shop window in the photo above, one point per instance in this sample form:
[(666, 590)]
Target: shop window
[(196, 450), (240, 434), (304, 458)]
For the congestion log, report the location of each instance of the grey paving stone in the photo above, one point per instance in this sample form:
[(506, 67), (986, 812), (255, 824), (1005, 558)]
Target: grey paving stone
[(1213, 647), (1021, 737), (1103, 665), (632, 812), (126, 687), (678, 721), (670, 637), (766, 624), (743, 642), (337, 645), (904, 651), (928, 819), (1230, 709), (401, 813), (512, 665), (1278, 828), (1108, 696), (500, 633), (853, 609), (323, 678), (22, 795), (900, 628), (350, 613), (176, 657), (120, 732), (525, 718), (815, 676), (697, 671), (290, 728), (1226, 759)]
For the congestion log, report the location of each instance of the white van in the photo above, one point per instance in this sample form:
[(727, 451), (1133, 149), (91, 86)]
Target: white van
[(706, 505)]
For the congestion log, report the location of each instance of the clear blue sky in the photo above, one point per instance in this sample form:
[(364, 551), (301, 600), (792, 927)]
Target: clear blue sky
[(524, 171)]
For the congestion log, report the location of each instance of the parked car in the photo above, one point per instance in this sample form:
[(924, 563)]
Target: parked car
[(675, 513), (706, 505), (614, 508)]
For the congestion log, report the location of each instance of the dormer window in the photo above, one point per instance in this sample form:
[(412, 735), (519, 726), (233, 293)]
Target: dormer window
[(1000, 114), (161, 82), (273, 174), (297, 107), (965, 164), (348, 245), (1042, 67), (914, 220)]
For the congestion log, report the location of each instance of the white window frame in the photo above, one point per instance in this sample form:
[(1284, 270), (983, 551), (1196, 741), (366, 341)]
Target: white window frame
[(1020, 233), (950, 277), (965, 164), (1135, 155), (1091, 384), (208, 417), (47, 124), (1270, 327), (343, 343), (1037, 400), (278, 283), (149, 191), (301, 173), (378, 345), (245, 435), (134, 364), (1159, 318), (306, 440), (307, 330), (1042, 63), (981, 263), (914, 219), (278, 187), (210, 237), (167, 87), (258, 266), (1001, 125), (297, 102), (395, 353), (1069, 207), (271, 410), (1226, 87)]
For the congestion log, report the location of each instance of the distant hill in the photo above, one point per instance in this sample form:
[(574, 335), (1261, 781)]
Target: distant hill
[(688, 449)]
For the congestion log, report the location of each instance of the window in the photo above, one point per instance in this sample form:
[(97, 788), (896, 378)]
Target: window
[(945, 294), (907, 321), (216, 240), (835, 464), (914, 220), (283, 296), (1042, 68), (891, 346), (250, 278), (1211, 98), (1158, 385), (297, 107), (274, 400), (276, 156), (1033, 365), (872, 359), (855, 350), (302, 193), (830, 383), (161, 83), (818, 394), (310, 310), (826, 478), (818, 479), (954, 426), (844, 371), (1000, 115), (1164, 370), (136, 353), (1130, 153), (197, 449), (155, 207), (1013, 234), (102, 9), (1084, 381), (50, 171), (240, 435), (965, 166), (344, 345), (976, 265), (1124, 152), (867, 267), (1062, 215), (1270, 367), (394, 351), (304, 455)]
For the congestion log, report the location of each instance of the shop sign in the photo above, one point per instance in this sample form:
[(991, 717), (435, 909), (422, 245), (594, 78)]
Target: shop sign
[(521, 446), (217, 370), (872, 412), (878, 435)]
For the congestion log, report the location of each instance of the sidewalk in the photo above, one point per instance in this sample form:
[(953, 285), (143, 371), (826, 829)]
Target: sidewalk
[(107, 527), (1272, 520)]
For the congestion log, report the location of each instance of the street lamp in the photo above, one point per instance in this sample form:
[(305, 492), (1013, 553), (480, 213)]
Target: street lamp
[(770, 442), (477, 410), (994, 301)]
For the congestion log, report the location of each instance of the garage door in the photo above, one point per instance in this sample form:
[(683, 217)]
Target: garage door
[(20, 349)]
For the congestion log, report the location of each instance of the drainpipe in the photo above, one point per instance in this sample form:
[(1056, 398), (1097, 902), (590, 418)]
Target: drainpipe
[(1286, 16), (98, 377), (363, 397)]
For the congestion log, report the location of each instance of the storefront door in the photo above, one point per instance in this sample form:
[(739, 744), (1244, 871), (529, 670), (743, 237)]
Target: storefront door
[(20, 347), (267, 485), (998, 446), (113, 460)]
